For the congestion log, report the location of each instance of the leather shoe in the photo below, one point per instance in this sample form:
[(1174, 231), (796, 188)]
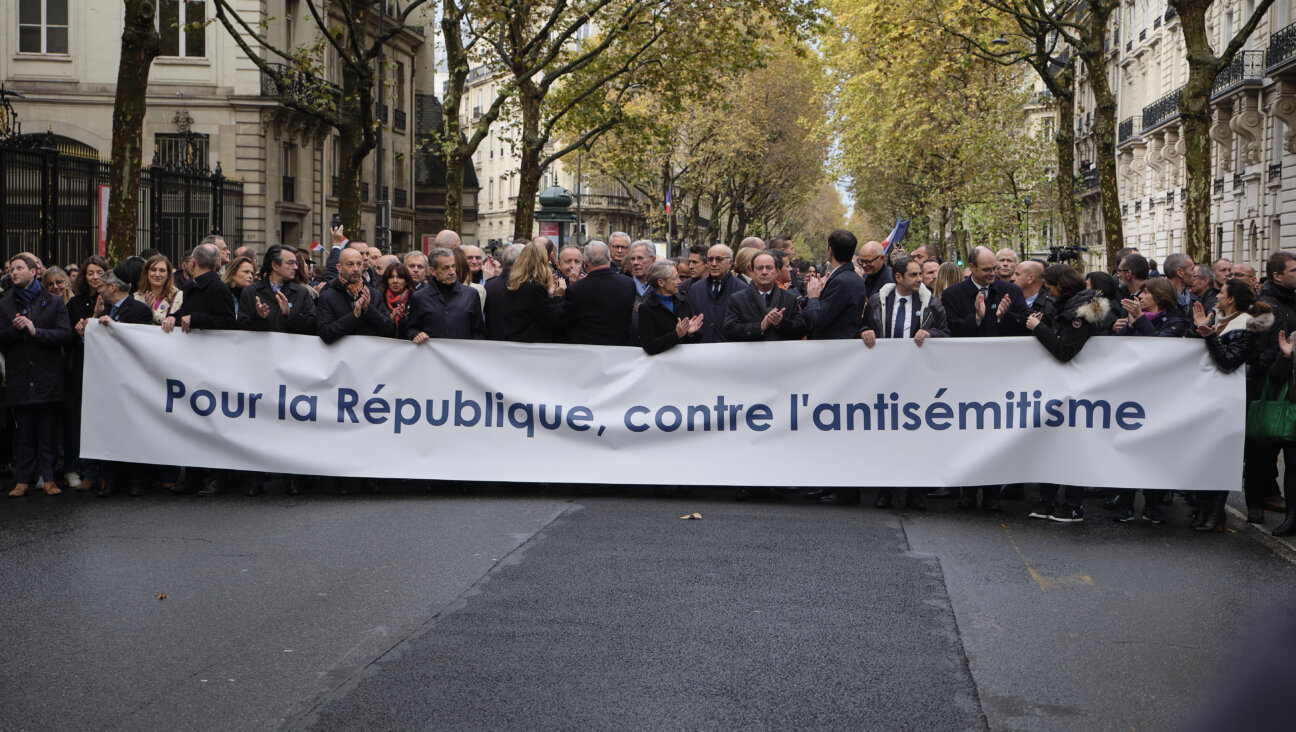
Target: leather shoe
[(1113, 503), (105, 489), (210, 488), (1274, 503), (743, 494), (840, 498), (1255, 514), (136, 489), (915, 500), (884, 499)]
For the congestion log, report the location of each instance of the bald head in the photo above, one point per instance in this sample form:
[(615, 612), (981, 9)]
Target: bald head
[(1006, 263), (983, 266), (752, 242), (870, 257), (447, 239), (1029, 276)]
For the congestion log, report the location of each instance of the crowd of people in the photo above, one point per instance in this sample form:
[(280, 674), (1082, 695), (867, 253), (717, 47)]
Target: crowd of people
[(620, 293)]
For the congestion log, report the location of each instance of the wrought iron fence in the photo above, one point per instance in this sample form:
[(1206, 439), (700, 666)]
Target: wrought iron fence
[(1282, 46), (1246, 67), (1162, 110), (51, 205), (1128, 129), (1275, 172)]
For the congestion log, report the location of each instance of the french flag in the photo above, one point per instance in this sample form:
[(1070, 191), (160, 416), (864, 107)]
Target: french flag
[(669, 188), (896, 236), (317, 247)]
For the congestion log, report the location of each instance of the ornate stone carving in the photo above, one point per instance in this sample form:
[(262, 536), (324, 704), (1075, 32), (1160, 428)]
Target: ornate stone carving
[(1248, 124), (182, 120), (1171, 154), (1282, 104), (1223, 137)]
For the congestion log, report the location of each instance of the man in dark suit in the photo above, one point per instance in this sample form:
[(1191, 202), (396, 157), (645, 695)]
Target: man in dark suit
[(764, 311), (834, 308), (710, 297), (208, 303), (984, 305), (597, 308), (446, 308), (119, 307), (876, 272)]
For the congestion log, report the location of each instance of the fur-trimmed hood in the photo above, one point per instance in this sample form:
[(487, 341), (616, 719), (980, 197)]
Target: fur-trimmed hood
[(1255, 324), (1087, 304), (924, 294)]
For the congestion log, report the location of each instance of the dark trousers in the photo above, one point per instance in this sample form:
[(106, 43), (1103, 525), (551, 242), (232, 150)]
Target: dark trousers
[(34, 446), (1072, 495), (1260, 470), (1125, 498)]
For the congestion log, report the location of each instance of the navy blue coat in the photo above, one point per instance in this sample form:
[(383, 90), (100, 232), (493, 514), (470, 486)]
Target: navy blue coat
[(960, 310), (837, 311), (598, 308), (131, 311), (34, 362), (457, 316), (334, 316), (714, 309)]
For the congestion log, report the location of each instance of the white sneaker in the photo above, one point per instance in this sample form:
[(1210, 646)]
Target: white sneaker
[(73, 480)]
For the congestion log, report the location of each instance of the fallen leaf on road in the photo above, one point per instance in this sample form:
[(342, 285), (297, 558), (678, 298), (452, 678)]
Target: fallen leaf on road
[(691, 516), (161, 595)]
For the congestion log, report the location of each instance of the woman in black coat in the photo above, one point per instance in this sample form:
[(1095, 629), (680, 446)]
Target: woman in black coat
[(528, 311), (665, 318), (1080, 314), (1236, 336)]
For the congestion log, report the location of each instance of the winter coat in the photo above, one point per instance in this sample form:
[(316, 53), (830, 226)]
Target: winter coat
[(1169, 323), (657, 324), (34, 362), (1238, 343), (301, 309), (879, 311), (335, 316), (1077, 320)]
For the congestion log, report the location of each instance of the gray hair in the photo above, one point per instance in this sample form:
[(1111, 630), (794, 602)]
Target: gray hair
[(211, 239), (510, 254), (1204, 270), (659, 272), (437, 253), (1174, 262), (114, 282), (206, 256), (413, 254), (597, 253), (620, 235), (647, 245)]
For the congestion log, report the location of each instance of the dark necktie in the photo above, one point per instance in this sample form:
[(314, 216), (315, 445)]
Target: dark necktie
[(985, 293), (767, 299), (898, 328), (715, 289)]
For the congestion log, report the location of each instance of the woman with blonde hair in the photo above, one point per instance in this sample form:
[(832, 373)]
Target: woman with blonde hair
[(157, 288), (527, 311), (948, 274), (239, 274), (743, 259), (58, 283)]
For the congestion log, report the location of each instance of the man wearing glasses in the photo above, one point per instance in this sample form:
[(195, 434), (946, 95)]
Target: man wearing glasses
[(876, 272), (1132, 272), (710, 297), (984, 305)]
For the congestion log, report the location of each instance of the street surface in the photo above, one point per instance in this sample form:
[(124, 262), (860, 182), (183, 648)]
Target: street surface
[(500, 611)]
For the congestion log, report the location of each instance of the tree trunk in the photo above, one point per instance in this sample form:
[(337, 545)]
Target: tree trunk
[(1091, 52), (529, 99), (140, 44), (1065, 139), (1194, 112), (456, 154), (348, 192)]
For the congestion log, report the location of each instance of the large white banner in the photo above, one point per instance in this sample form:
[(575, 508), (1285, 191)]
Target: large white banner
[(1127, 412)]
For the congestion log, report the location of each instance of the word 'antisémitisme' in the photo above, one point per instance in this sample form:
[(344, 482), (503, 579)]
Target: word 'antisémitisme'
[(1019, 410)]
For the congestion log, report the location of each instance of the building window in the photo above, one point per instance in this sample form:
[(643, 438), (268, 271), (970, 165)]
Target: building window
[(183, 27), (42, 26), (175, 151)]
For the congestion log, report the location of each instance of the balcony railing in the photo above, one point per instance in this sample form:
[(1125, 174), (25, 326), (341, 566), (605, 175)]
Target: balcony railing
[(402, 198), (289, 189), (1170, 14), (398, 119), (1219, 186), (382, 113), (302, 86), (334, 189), (1143, 35), (1138, 206), (1156, 22), (1246, 68), (1170, 198), (1162, 110), (364, 192), (1128, 129), (1129, 46), (1275, 172), (1238, 184), (1282, 47)]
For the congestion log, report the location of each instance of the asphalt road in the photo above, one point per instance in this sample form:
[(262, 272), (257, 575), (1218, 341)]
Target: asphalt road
[(497, 611)]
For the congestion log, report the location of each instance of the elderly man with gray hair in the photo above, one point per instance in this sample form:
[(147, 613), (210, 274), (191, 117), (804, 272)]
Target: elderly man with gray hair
[(208, 303), (597, 310), (642, 255), (618, 246)]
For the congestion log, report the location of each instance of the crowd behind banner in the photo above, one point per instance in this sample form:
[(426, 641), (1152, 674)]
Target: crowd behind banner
[(619, 293)]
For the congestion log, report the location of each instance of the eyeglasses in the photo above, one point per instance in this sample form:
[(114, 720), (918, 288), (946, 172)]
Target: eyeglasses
[(869, 260), (717, 259)]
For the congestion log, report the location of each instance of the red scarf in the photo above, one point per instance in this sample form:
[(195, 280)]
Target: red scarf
[(396, 305)]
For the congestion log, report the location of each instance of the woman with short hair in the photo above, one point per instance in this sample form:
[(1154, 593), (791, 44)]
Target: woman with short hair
[(665, 317)]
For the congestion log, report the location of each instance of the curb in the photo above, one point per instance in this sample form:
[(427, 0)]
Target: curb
[(1279, 545)]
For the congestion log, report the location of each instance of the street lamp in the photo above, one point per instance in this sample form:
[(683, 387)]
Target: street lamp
[(383, 223), (1026, 238)]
